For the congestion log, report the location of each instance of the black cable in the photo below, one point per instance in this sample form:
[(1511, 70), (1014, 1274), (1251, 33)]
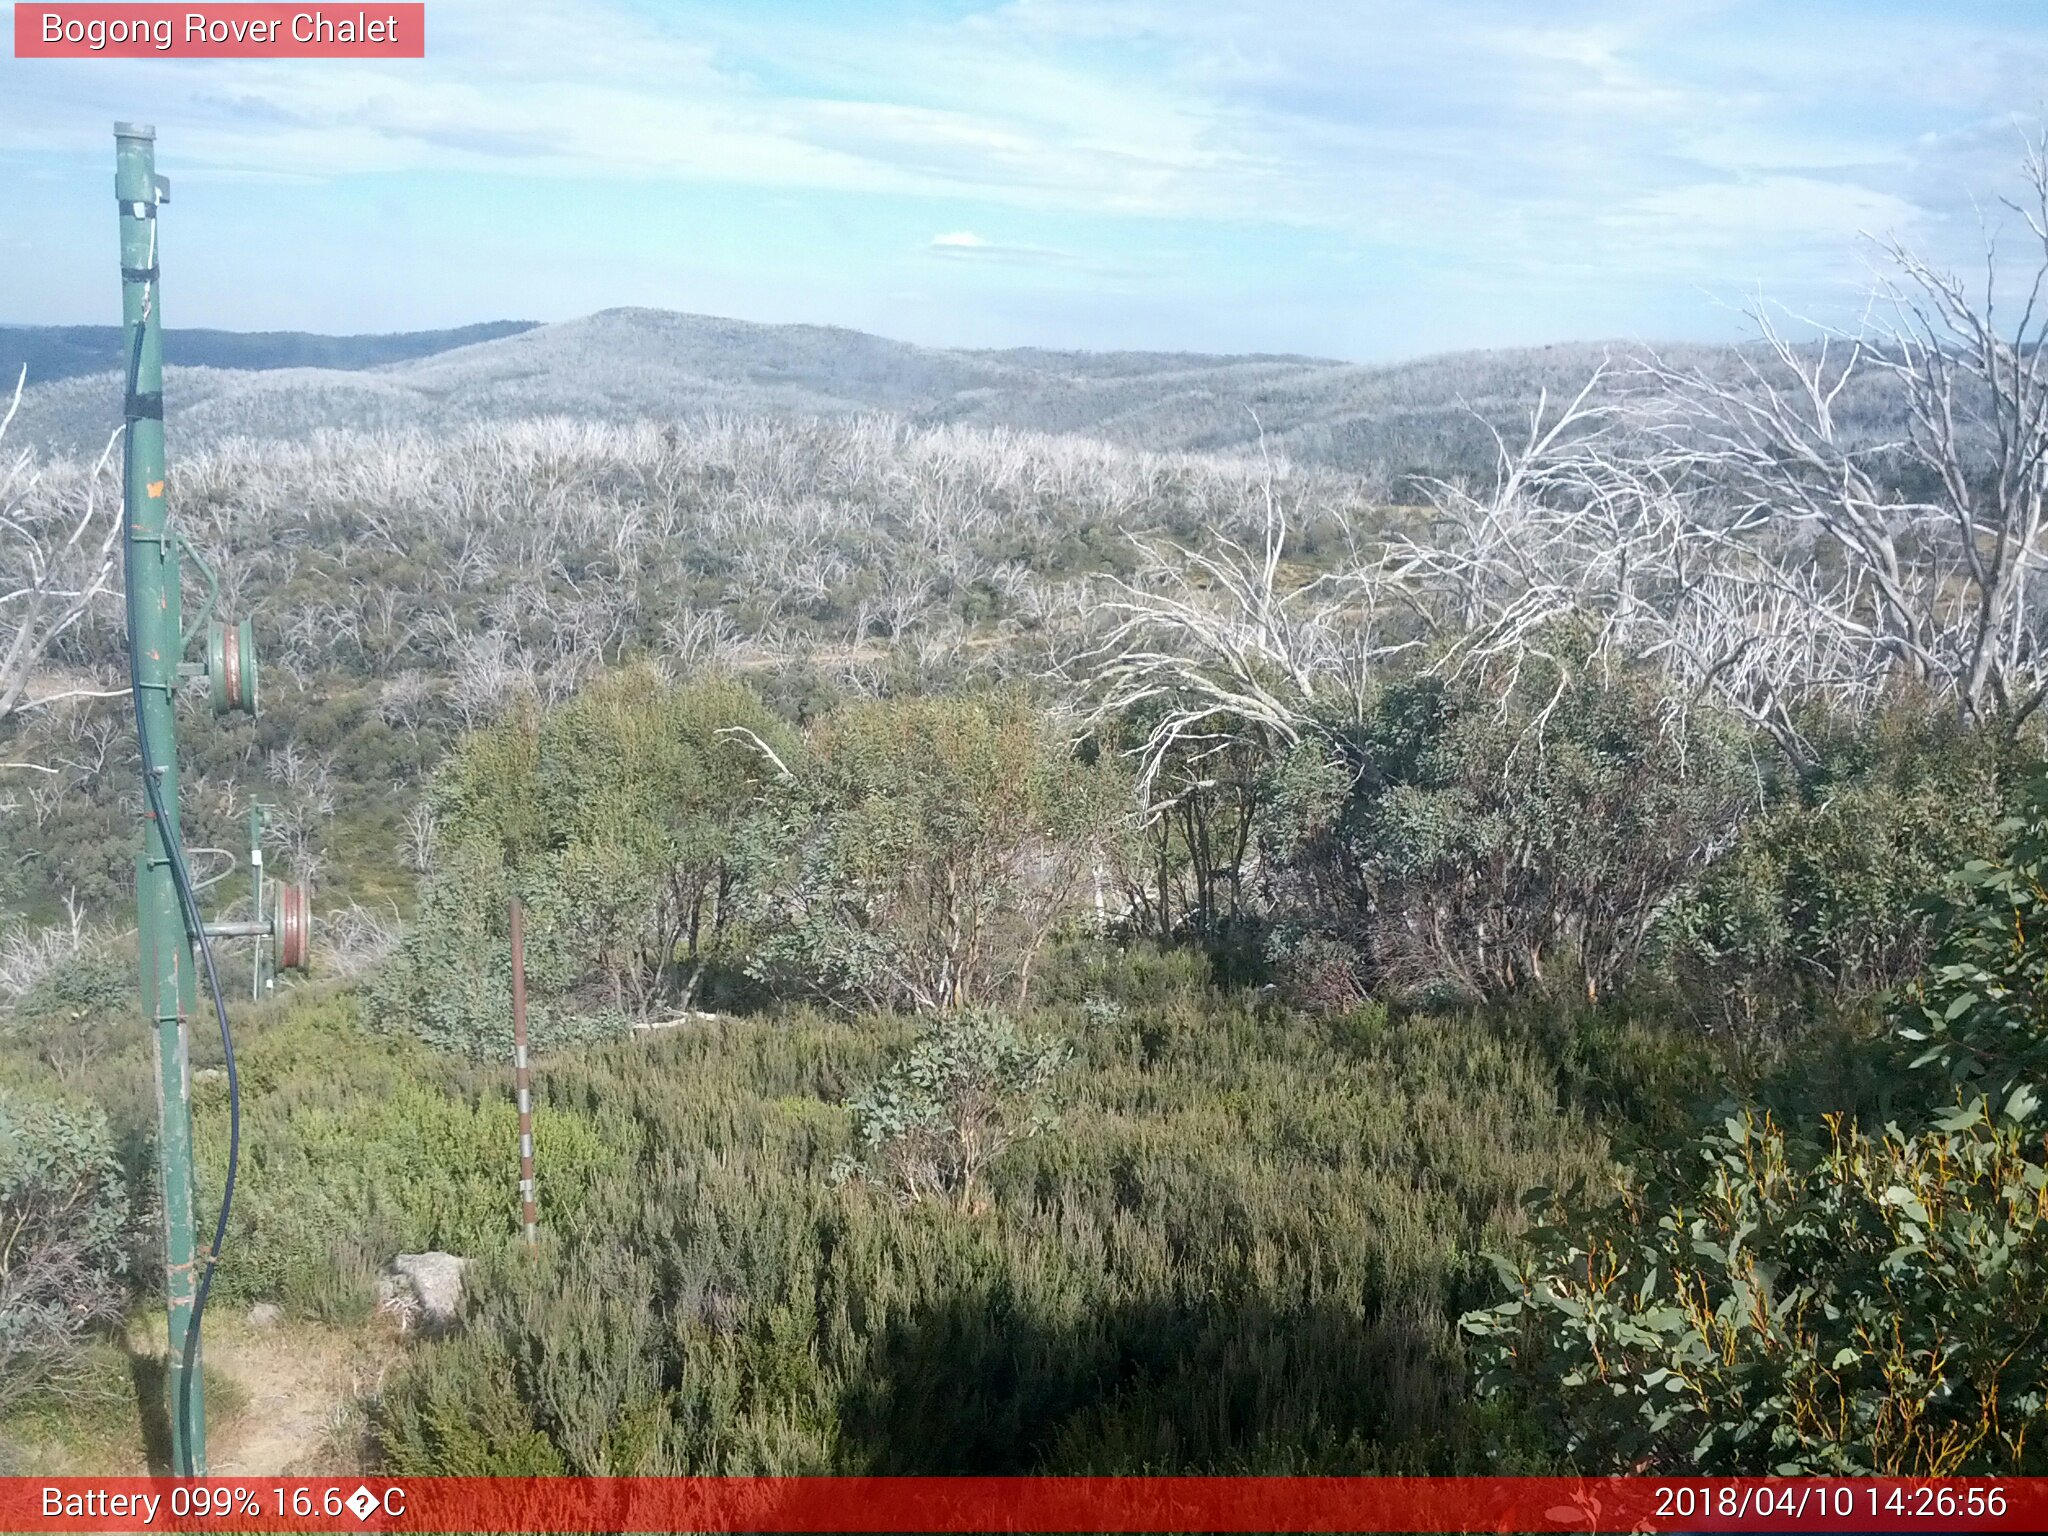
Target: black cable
[(174, 852)]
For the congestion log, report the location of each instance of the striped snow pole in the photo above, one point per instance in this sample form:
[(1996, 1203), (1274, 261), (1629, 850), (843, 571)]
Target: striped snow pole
[(522, 1080)]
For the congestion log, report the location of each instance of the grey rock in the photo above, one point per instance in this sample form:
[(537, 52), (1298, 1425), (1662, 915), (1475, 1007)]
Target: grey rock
[(265, 1314), (423, 1291)]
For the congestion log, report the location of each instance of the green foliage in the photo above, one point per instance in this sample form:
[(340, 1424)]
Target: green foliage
[(1631, 1065), (1850, 1301), (91, 987), (356, 1146), (1820, 901), (1870, 1304), (1235, 1256), (63, 1226), (1981, 1014), (969, 1088), (73, 1031), (465, 1419), (917, 852), (450, 982), (926, 851), (618, 820), (1494, 845)]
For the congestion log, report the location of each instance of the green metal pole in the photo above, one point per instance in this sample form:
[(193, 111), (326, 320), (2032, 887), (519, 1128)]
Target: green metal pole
[(169, 993), (256, 910)]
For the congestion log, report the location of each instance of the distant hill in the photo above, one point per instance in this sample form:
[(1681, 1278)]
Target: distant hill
[(53, 352), (1429, 416)]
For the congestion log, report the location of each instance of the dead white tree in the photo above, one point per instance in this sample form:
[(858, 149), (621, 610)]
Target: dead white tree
[(422, 837), (1912, 455), (1217, 648), (1209, 663), (1593, 549), (27, 955), (57, 552)]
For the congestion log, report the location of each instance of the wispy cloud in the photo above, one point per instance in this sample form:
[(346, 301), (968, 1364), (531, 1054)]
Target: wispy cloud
[(1596, 152), (966, 245)]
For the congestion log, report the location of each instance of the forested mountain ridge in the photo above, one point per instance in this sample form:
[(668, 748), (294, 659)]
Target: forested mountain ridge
[(1427, 415), (51, 352)]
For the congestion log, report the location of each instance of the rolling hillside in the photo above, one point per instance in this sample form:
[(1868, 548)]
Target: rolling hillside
[(633, 363), (52, 352)]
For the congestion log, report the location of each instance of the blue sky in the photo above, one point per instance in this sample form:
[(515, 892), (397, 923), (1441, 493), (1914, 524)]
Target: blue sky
[(1340, 177)]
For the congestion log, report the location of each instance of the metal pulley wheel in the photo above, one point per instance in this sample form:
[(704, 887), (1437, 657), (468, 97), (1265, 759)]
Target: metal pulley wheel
[(291, 930), (231, 666)]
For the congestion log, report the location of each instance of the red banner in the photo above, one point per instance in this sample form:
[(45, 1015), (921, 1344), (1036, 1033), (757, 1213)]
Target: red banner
[(952, 1504), (371, 30)]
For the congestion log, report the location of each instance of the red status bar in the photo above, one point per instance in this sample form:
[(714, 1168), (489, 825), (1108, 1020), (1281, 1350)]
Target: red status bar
[(960, 1504)]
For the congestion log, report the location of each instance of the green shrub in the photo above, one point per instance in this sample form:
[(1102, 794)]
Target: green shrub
[(617, 820), (1832, 1299), (1980, 1017), (926, 851), (450, 983), (1862, 1304), (1487, 846), (73, 1032), (969, 1088), (667, 842), (90, 987), (1820, 902), (63, 1219), (357, 1146)]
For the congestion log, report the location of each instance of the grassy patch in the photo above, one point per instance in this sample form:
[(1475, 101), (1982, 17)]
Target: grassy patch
[(357, 1145), (1239, 1252)]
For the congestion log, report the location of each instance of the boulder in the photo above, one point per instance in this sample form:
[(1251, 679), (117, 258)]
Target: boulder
[(265, 1314), (423, 1291)]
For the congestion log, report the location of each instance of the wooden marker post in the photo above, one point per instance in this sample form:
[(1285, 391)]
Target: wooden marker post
[(522, 1080)]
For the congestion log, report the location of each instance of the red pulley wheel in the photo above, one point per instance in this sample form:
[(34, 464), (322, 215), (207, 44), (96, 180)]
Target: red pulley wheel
[(291, 929), (231, 666)]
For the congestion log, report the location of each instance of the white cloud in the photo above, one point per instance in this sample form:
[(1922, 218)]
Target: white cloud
[(966, 245), (1693, 137), (1322, 113)]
